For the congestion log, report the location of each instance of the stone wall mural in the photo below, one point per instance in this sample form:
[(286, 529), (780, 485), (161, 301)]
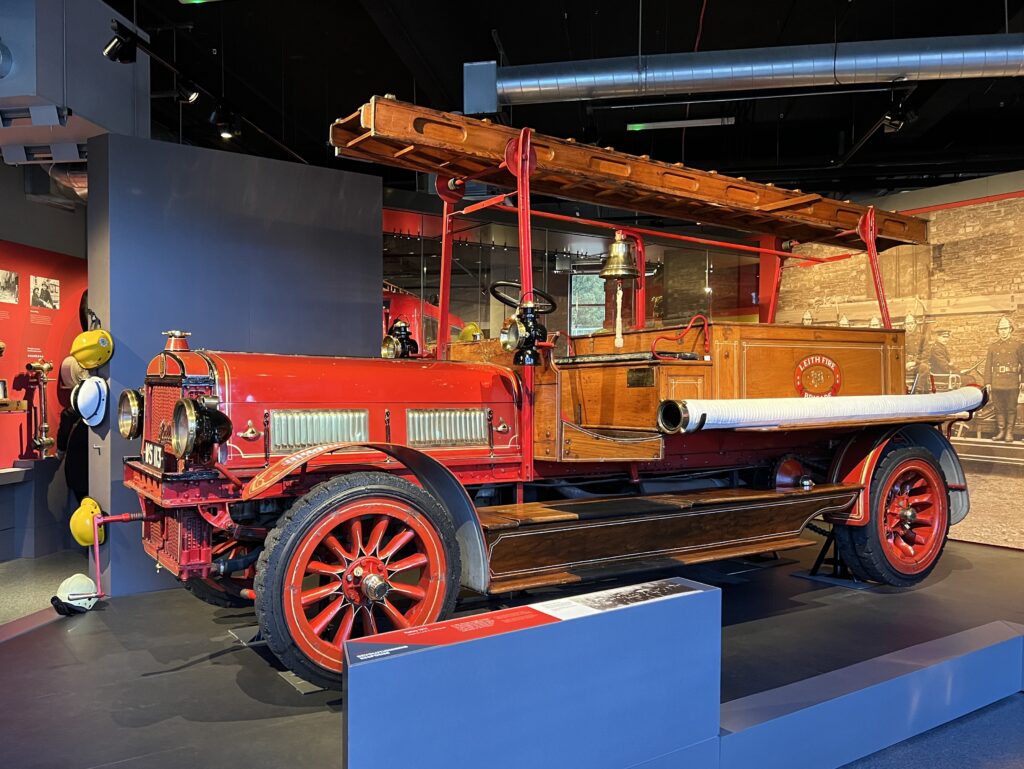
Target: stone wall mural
[(960, 300)]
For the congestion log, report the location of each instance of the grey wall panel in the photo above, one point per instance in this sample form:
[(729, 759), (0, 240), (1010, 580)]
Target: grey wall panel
[(36, 224), (244, 252)]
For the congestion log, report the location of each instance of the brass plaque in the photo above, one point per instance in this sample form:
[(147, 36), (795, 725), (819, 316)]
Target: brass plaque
[(640, 377)]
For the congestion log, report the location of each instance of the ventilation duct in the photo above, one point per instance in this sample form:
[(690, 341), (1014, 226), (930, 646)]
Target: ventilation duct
[(56, 88), (487, 86)]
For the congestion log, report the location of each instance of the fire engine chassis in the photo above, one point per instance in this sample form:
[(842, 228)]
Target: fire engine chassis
[(350, 496)]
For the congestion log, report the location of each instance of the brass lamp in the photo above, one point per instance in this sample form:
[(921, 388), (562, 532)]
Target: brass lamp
[(621, 261)]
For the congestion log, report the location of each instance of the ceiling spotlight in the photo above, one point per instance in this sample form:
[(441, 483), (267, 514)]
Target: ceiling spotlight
[(219, 115), (120, 50), (188, 93), (227, 123), (231, 129)]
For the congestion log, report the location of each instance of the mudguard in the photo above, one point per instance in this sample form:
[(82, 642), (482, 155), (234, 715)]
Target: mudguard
[(858, 458), (432, 475)]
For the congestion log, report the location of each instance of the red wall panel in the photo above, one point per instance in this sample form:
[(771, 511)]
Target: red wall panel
[(34, 333)]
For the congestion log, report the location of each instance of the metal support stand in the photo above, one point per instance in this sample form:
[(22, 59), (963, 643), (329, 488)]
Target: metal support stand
[(839, 568), (829, 556)]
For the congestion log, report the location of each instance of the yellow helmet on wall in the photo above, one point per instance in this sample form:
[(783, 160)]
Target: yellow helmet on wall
[(81, 522), (93, 348)]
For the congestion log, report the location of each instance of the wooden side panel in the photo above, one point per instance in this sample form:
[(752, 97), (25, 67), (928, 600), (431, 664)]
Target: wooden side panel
[(792, 361), (546, 422), (625, 396), (682, 381), (579, 445), (482, 351), (669, 528), (613, 396)]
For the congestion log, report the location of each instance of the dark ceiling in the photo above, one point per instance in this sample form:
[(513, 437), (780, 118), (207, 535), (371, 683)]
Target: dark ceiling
[(292, 68)]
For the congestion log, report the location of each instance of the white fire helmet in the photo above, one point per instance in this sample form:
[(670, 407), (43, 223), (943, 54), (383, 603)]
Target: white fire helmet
[(76, 594), (89, 399), (1004, 328)]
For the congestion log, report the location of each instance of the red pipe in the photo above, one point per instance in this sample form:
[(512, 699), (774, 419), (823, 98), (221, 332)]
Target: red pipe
[(98, 521), (680, 336), (670, 235), (523, 168), (640, 293), (443, 334), (963, 203)]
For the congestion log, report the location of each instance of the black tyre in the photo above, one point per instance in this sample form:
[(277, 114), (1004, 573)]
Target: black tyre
[(909, 506), (360, 554)]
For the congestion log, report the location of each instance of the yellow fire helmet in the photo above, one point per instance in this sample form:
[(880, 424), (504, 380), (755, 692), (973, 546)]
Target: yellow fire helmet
[(81, 522), (93, 348), (470, 333)]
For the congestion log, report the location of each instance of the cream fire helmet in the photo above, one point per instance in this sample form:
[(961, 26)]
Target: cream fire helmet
[(75, 595), (89, 399), (72, 372)]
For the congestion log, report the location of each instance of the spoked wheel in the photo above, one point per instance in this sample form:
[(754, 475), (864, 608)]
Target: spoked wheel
[(361, 554), (909, 502), (226, 590)]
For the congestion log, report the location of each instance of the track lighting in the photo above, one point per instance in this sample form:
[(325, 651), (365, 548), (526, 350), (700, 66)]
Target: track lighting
[(120, 50), (188, 93), (228, 125)]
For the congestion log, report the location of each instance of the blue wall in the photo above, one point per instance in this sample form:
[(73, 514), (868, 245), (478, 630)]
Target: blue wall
[(244, 252)]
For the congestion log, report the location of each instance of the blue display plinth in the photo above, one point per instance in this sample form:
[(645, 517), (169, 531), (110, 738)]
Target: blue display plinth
[(838, 717), (619, 678), (629, 678)]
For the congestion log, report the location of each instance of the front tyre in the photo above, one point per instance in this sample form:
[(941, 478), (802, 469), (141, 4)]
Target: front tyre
[(357, 555), (909, 502)]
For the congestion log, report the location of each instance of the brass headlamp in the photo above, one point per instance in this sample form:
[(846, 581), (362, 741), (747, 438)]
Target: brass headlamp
[(398, 343), (131, 407), (196, 425)]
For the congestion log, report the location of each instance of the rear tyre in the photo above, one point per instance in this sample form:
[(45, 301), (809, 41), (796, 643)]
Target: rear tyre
[(909, 505), (360, 554)]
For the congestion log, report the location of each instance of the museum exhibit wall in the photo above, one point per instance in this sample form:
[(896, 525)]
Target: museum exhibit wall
[(949, 296), (39, 298), (49, 242), (244, 252)]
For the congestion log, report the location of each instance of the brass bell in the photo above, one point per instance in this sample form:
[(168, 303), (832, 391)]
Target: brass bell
[(621, 261)]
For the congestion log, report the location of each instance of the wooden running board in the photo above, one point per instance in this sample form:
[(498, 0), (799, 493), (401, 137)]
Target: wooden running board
[(399, 134), (560, 542)]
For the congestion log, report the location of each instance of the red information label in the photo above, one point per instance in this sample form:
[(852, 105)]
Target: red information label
[(449, 632)]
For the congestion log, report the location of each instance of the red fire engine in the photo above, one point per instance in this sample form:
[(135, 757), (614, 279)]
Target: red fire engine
[(351, 496)]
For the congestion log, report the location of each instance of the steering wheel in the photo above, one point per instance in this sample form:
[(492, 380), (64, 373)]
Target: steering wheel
[(547, 303)]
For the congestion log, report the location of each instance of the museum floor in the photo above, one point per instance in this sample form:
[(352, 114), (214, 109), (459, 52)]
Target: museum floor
[(157, 681)]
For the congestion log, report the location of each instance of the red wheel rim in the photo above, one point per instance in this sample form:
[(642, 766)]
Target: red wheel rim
[(913, 516), (232, 584), (370, 565)]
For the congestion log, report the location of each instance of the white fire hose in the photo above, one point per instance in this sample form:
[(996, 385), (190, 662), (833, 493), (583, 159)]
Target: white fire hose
[(689, 416)]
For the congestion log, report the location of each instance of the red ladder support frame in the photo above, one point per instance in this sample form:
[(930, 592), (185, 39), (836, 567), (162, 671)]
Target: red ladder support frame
[(867, 229), (520, 160)]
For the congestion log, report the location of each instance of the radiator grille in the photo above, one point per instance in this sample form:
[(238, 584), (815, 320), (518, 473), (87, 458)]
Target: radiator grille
[(446, 427), (160, 402), (294, 429)]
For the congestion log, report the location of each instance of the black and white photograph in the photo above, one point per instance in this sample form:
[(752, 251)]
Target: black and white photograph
[(8, 287), (45, 292)]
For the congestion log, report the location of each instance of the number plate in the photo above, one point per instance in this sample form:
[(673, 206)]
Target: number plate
[(153, 454)]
